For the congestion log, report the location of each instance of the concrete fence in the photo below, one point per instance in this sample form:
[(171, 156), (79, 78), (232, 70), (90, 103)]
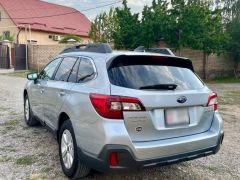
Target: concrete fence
[(217, 66), (40, 55)]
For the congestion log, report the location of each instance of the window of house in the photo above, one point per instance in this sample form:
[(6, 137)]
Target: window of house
[(0, 16), (6, 34)]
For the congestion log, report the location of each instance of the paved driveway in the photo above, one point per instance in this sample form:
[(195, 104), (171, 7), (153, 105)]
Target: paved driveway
[(32, 153)]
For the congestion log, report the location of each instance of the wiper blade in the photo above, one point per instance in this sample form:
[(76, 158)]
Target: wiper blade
[(85, 77), (160, 86)]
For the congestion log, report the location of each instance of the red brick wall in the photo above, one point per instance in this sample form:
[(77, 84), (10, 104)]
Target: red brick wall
[(39, 55), (216, 65)]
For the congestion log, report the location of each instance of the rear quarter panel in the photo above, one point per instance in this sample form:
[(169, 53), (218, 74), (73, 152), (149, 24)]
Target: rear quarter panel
[(85, 120)]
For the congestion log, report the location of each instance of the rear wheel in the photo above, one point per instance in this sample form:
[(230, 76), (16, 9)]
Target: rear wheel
[(28, 115), (71, 165)]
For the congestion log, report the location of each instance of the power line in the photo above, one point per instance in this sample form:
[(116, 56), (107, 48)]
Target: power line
[(100, 6), (72, 12), (59, 6)]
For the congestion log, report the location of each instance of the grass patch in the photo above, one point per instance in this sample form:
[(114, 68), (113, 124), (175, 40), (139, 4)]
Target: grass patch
[(4, 109), (26, 161), (5, 158), (13, 113), (212, 168), (231, 97), (8, 149), (224, 80), (11, 123), (46, 169)]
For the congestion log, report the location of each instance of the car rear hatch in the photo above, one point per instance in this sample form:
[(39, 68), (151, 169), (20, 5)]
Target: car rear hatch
[(174, 98)]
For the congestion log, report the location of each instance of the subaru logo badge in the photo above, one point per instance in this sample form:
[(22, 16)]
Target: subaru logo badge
[(182, 99), (139, 129)]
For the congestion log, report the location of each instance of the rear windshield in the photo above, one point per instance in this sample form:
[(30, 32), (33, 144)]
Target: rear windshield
[(139, 75)]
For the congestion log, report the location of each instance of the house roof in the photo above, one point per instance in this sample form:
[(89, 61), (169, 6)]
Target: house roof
[(69, 22)]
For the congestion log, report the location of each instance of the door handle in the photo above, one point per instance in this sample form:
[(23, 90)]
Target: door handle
[(62, 93), (42, 91)]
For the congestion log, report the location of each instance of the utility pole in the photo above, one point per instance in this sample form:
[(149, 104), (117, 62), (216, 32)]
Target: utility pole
[(26, 44)]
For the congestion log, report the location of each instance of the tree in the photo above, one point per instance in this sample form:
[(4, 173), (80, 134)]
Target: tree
[(231, 9), (68, 37), (234, 44), (182, 23), (103, 27), (193, 24), (154, 23), (127, 34)]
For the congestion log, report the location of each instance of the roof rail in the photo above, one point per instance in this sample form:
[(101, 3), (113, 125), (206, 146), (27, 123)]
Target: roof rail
[(166, 51), (97, 48)]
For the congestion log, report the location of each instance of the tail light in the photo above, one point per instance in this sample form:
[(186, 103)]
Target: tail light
[(213, 101), (112, 107), (113, 159)]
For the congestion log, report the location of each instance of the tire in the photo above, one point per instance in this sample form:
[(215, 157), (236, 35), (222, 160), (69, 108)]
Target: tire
[(68, 146), (28, 114)]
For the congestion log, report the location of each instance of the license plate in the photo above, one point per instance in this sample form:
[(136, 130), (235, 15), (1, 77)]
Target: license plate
[(177, 116)]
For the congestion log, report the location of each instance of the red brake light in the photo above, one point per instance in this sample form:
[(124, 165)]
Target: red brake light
[(113, 159), (213, 101), (112, 107)]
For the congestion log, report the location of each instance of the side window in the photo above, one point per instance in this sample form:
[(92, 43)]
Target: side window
[(48, 71), (86, 71), (73, 76), (65, 69)]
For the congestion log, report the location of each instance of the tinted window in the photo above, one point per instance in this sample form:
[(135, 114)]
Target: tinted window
[(48, 71), (86, 71), (65, 69), (140, 75), (73, 75)]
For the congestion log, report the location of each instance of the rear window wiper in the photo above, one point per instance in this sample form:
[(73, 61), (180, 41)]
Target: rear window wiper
[(160, 86)]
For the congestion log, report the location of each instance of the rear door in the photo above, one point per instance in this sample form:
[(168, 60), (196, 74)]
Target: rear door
[(174, 98), (58, 89)]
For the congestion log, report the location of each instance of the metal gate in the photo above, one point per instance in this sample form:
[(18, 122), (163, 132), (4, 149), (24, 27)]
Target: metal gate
[(4, 57), (20, 57)]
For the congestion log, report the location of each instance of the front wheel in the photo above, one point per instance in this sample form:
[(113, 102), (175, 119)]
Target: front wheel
[(70, 163), (28, 115)]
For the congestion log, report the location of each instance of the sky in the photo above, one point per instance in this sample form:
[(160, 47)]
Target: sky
[(135, 5)]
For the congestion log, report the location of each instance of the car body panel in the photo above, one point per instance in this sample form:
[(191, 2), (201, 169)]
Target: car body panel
[(93, 132)]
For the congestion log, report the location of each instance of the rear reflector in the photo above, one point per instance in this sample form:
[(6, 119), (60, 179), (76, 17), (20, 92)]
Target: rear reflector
[(213, 101), (113, 159), (112, 107)]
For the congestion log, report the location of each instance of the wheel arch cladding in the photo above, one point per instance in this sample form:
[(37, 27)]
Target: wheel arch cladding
[(62, 118)]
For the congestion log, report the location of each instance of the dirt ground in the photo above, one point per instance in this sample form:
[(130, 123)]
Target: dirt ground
[(32, 153)]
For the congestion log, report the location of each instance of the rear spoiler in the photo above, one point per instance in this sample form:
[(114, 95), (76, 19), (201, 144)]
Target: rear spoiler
[(125, 60)]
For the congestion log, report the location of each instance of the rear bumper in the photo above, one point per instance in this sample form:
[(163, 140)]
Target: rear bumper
[(127, 160)]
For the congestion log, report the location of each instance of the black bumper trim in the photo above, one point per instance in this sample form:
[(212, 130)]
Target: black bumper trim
[(127, 159)]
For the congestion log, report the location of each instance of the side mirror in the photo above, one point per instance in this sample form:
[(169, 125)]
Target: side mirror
[(32, 76)]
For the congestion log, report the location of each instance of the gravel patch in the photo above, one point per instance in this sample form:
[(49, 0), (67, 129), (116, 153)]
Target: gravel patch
[(32, 153)]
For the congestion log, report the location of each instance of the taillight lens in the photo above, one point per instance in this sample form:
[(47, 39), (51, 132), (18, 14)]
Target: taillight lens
[(113, 159), (112, 107), (213, 101)]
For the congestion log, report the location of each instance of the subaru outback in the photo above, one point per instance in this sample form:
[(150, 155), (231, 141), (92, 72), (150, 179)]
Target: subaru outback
[(113, 110)]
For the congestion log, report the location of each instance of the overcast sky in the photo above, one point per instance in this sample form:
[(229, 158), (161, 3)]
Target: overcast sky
[(135, 5)]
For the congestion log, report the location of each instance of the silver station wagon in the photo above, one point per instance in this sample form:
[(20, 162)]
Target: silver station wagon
[(114, 111)]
